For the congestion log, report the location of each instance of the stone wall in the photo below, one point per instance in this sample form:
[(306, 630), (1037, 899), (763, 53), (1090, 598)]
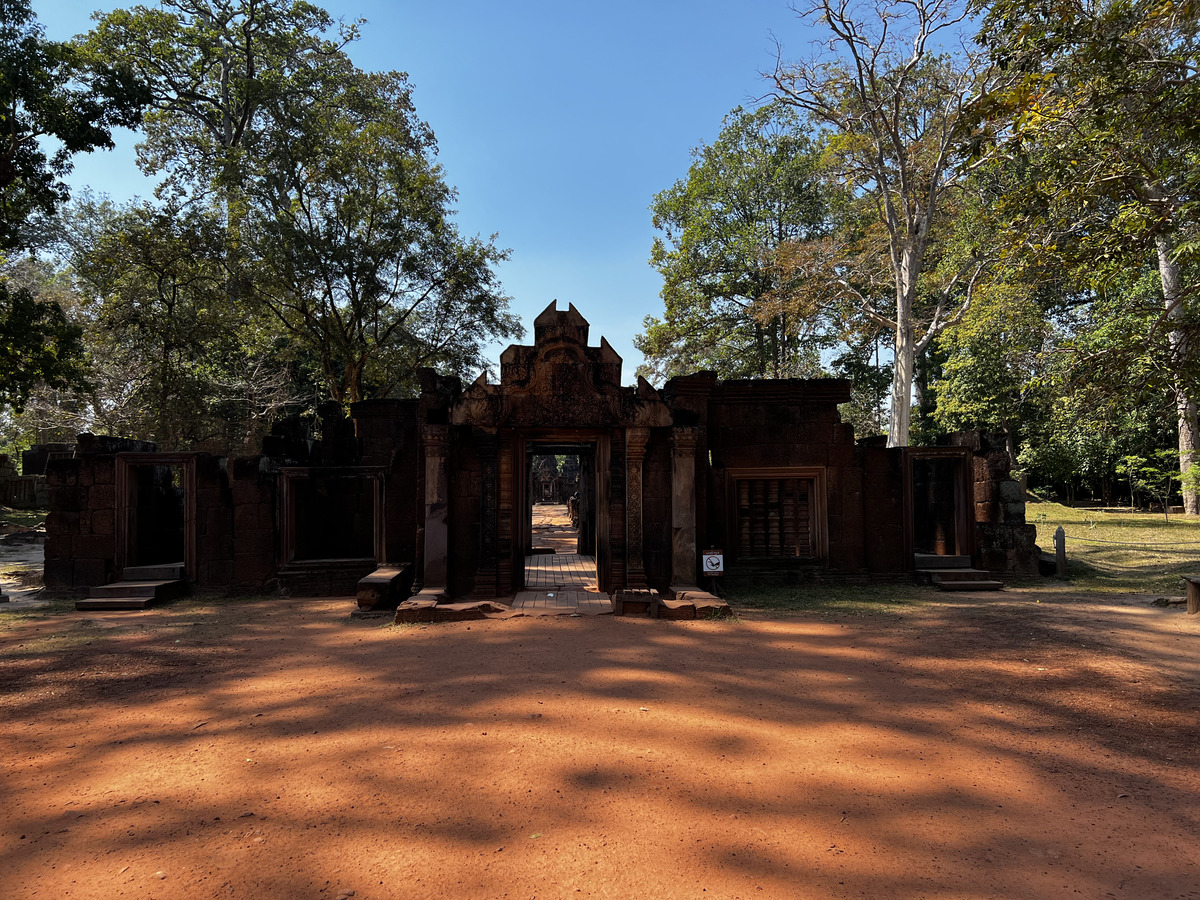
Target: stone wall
[(1005, 544), (81, 526)]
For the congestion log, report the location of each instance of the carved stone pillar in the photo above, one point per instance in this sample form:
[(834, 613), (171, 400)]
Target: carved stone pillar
[(683, 508), (635, 454), (437, 504), (485, 580)]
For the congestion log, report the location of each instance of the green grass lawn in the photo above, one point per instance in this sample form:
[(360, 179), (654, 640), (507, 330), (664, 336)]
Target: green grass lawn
[(829, 599), (1120, 552), (27, 517)]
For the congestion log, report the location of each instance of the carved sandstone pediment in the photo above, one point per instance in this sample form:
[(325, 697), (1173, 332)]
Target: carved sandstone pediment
[(559, 382)]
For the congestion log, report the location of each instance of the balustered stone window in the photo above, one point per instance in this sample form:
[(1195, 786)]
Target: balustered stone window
[(778, 513)]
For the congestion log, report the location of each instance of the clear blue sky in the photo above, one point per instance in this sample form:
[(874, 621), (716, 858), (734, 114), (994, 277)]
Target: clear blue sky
[(556, 121)]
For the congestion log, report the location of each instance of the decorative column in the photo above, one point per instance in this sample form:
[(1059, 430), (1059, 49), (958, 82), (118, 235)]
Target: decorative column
[(437, 498), (683, 509), (485, 580), (635, 454)]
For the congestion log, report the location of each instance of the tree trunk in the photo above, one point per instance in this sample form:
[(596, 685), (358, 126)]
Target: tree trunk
[(1186, 407), (902, 376)]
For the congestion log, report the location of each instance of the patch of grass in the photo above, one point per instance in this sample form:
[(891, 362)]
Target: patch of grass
[(26, 517), (1113, 551), (825, 599)]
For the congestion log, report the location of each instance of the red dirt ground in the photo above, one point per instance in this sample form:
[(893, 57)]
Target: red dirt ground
[(278, 749)]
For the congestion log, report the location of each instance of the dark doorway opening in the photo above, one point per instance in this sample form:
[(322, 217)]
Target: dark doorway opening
[(560, 516), (156, 510), (158, 516), (937, 506)]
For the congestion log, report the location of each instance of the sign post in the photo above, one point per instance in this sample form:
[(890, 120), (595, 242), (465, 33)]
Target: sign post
[(713, 563)]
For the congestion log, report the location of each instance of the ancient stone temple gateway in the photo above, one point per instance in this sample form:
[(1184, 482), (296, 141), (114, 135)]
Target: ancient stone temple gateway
[(434, 495)]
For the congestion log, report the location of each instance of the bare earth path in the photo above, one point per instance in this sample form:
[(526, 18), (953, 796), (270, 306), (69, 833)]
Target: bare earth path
[(277, 749)]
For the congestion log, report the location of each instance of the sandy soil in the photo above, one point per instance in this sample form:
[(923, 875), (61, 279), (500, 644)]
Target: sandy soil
[(278, 749)]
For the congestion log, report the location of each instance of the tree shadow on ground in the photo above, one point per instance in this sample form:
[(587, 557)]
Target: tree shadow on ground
[(963, 751)]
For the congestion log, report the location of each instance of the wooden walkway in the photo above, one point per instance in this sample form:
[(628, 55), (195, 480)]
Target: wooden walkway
[(562, 582), (560, 570), (558, 603)]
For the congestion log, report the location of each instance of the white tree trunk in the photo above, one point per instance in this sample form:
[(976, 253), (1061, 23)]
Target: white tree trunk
[(1186, 407), (902, 371)]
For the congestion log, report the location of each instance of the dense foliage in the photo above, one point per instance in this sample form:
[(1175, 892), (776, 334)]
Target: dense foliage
[(300, 246), (1012, 215)]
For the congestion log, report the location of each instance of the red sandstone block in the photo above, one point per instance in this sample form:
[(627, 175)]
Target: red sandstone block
[(249, 492), (252, 569), (208, 498), (57, 546), (67, 499), (103, 470), (254, 543), (87, 474), (215, 573), (63, 472), (62, 522), (212, 546), (843, 456), (103, 521), (666, 608), (90, 572), (59, 574), (246, 518), (94, 546), (102, 496), (212, 521)]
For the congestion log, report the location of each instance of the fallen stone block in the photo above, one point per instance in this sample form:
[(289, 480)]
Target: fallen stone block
[(386, 587), (635, 602)]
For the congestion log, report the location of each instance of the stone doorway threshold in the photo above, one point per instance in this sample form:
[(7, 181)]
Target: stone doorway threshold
[(565, 602)]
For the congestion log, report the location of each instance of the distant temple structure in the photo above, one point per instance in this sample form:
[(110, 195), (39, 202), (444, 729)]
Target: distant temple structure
[(436, 492)]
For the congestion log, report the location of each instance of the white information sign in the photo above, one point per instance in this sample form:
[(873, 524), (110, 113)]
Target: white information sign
[(714, 562)]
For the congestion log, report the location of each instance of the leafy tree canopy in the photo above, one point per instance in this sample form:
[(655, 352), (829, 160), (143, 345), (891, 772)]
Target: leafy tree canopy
[(754, 188), (53, 104)]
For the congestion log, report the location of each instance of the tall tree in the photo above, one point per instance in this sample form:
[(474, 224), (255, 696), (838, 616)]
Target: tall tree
[(158, 282), (351, 220), (894, 105), (1105, 112), (754, 188), (38, 346), (54, 104), (213, 68)]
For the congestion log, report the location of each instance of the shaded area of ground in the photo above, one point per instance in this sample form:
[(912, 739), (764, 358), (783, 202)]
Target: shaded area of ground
[(277, 749)]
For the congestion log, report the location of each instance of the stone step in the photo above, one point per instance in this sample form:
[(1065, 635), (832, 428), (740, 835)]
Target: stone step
[(940, 575), (690, 604), (161, 572), (932, 561), (132, 594), (115, 603), (982, 585), (159, 590)]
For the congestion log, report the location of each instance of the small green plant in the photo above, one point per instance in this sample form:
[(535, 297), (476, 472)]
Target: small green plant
[(1156, 476)]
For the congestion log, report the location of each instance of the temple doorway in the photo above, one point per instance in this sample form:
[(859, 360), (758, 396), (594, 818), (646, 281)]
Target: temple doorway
[(560, 517), (155, 497), (938, 501)]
